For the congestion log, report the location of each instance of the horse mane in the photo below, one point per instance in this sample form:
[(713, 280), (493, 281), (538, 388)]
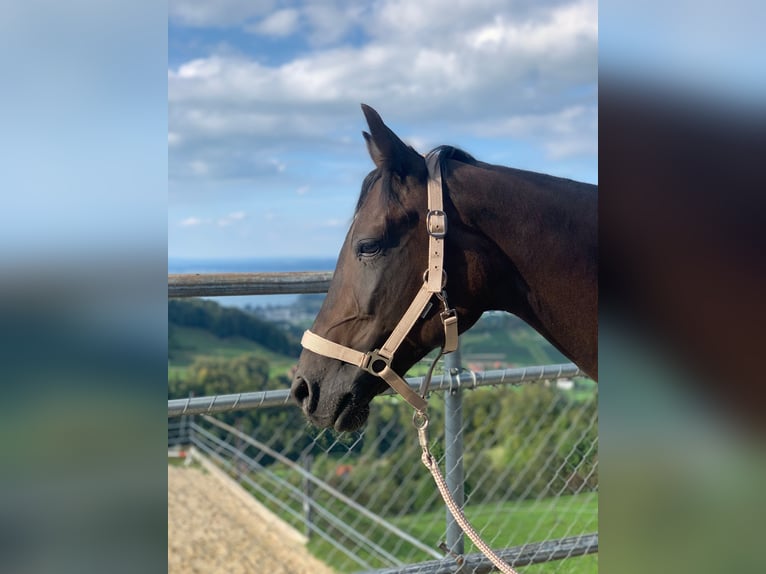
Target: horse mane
[(448, 152)]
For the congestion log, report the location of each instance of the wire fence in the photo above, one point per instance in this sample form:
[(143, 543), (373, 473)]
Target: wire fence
[(366, 503), (519, 448)]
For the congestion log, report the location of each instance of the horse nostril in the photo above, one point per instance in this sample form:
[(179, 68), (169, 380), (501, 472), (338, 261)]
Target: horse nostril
[(301, 392)]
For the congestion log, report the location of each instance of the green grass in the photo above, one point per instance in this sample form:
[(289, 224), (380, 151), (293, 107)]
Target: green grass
[(518, 522), (502, 524), (521, 518), (521, 346), (506, 524), (188, 343), (576, 565), (552, 517)]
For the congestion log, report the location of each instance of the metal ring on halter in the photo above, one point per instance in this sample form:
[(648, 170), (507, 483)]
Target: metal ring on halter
[(420, 420), (375, 363), (444, 277)]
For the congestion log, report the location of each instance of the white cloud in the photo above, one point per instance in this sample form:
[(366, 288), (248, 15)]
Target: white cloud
[(524, 125), (422, 70), (190, 222), (331, 20), (476, 66), (559, 33), (279, 24), (568, 132), (225, 221)]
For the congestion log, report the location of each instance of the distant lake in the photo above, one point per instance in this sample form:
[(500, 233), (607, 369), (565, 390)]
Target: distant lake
[(251, 265)]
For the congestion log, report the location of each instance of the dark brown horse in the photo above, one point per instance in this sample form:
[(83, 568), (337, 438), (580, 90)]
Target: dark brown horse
[(517, 241)]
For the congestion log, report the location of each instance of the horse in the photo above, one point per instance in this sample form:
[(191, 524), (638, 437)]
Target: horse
[(502, 238)]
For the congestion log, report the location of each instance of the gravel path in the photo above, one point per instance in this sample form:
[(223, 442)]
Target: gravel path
[(214, 527)]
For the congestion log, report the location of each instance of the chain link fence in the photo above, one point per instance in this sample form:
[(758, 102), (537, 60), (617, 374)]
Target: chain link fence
[(527, 464), (518, 447)]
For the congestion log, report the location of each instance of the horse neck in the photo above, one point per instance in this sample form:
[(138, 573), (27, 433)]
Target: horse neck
[(546, 229)]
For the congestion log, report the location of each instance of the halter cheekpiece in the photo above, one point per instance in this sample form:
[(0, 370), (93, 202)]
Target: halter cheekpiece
[(378, 362)]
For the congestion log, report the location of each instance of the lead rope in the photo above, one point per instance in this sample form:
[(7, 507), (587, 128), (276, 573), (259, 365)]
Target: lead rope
[(420, 420)]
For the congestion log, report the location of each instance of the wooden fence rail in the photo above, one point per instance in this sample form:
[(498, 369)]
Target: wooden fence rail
[(225, 284)]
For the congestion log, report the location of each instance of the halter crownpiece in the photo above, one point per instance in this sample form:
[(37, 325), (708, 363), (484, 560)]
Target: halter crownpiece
[(378, 362)]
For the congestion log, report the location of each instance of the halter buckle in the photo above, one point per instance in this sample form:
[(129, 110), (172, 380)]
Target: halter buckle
[(375, 363), (436, 223), (448, 317)]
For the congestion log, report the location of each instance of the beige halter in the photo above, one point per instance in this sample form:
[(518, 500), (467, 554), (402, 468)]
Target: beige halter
[(378, 362)]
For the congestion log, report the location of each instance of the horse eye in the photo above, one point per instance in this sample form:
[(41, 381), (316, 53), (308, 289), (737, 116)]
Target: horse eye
[(368, 248)]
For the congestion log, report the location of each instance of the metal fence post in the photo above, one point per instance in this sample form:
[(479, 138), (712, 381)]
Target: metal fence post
[(453, 437), (183, 430), (186, 431)]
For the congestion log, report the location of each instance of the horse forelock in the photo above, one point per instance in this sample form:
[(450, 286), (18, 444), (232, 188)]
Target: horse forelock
[(389, 196), (367, 185)]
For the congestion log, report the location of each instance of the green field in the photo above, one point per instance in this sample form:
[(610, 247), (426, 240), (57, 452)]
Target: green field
[(543, 519), (188, 343), (519, 346), (503, 524), (508, 524)]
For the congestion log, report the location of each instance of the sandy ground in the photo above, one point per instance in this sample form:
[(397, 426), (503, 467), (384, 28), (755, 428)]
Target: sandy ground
[(216, 527)]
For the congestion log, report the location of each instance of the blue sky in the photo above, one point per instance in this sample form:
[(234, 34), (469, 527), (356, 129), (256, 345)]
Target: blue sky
[(265, 153)]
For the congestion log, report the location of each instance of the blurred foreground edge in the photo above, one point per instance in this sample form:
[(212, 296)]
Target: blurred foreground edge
[(682, 243)]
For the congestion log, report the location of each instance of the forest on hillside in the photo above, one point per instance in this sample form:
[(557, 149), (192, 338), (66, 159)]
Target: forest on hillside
[(227, 322)]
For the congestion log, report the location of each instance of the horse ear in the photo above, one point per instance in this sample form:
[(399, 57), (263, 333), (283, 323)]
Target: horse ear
[(386, 149), (372, 149)]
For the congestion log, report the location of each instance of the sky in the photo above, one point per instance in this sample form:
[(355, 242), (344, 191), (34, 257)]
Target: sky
[(265, 152)]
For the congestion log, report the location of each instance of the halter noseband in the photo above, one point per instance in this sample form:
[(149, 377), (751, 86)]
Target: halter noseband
[(378, 362)]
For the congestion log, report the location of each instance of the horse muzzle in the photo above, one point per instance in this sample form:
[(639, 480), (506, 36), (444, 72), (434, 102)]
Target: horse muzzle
[(343, 410)]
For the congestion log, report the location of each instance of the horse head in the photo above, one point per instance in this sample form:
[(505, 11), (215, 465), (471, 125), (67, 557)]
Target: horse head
[(380, 270)]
